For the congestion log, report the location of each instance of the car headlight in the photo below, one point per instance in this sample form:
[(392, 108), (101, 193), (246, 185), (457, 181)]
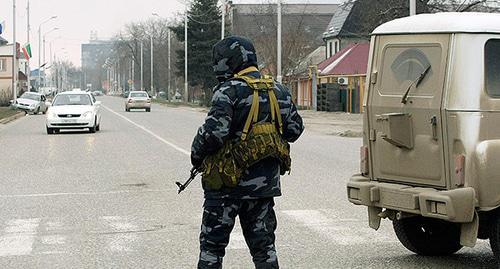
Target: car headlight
[(87, 114), (51, 114)]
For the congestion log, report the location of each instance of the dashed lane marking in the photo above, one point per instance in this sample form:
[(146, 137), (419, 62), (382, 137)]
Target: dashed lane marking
[(19, 236), (149, 132)]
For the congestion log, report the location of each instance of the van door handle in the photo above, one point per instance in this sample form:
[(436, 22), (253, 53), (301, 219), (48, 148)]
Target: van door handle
[(434, 128)]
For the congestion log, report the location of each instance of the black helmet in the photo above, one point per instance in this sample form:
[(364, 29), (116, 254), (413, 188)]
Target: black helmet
[(231, 55)]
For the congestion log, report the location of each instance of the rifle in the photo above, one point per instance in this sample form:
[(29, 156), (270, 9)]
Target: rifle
[(194, 172)]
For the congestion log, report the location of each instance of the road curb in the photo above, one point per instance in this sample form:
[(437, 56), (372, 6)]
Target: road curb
[(12, 118)]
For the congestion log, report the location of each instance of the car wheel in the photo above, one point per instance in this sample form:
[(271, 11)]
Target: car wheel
[(148, 109), (427, 236), (50, 130), (98, 127), (495, 237), (127, 109), (45, 111)]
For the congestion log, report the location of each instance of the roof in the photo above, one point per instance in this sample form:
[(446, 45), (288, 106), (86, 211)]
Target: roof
[(447, 22), (352, 60), (312, 58), (338, 20)]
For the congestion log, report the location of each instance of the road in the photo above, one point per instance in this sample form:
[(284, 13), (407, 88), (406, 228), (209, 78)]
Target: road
[(108, 200)]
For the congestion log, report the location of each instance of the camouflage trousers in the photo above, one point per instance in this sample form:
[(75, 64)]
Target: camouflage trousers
[(258, 222)]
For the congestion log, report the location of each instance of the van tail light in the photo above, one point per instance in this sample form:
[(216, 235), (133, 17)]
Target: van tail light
[(130, 100), (363, 158), (460, 170)]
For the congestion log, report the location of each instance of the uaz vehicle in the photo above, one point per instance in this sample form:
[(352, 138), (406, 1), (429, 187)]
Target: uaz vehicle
[(431, 153), (74, 110), (32, 102), (138, 99)]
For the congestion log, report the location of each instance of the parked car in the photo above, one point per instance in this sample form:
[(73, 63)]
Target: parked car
[(138, 99), (97, 93), (32, 102), (74, 110), (431, 135)]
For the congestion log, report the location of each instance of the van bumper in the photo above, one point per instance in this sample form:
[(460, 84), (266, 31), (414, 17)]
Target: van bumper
[(451, 205)]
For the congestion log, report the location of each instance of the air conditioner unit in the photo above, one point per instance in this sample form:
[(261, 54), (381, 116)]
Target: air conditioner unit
[(343, 80)]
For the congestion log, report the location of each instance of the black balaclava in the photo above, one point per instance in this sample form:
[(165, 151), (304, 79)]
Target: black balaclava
[(231, 55)]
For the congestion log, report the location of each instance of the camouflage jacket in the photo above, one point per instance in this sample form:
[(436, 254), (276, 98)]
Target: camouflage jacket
[(231, 104)]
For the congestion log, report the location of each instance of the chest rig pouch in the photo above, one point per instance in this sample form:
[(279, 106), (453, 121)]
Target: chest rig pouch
[(259, 140)]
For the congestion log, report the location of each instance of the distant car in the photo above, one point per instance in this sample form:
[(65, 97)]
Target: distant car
[(32, 102), (97, 93), (138, 99), (74, 110)]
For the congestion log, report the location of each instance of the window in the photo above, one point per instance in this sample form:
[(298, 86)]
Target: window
[(403, 65), (329, 48), (492, 67), (337, 46), (3, 65)]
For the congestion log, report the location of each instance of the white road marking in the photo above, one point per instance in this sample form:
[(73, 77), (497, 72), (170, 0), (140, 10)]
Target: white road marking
[(19, 237), (340, 231), (120, 242), (78, 193), (149, 132)]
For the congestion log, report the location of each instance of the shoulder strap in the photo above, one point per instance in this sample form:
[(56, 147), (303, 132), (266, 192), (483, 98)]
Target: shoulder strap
[(261, 84)]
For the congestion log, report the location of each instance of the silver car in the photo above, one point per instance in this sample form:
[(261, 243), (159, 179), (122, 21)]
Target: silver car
[(138, 99), (32, 102)]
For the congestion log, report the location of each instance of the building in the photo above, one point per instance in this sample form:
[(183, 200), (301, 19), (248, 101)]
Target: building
[(6, 73), (302, 29), (94, 55), (340, 81), (354, 21)]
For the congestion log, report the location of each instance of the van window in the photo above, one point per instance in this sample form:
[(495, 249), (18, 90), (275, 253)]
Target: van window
[(402, 65), (492, 67)]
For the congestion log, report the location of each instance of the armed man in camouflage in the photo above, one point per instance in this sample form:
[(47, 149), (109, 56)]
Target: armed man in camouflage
[(234, 114)]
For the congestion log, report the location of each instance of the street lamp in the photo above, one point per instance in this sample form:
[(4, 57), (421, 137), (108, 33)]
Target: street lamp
[(44, 67), (40, 47)]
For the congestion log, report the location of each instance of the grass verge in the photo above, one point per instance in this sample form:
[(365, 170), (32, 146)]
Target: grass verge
[(6, 112)]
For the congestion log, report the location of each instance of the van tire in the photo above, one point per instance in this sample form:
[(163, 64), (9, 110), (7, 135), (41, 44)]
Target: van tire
[(427, 236), (495, 237)]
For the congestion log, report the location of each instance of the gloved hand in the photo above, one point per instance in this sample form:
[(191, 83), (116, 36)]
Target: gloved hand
[(196, 162)]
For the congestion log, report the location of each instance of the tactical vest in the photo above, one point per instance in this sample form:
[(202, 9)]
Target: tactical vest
[(258, 141)]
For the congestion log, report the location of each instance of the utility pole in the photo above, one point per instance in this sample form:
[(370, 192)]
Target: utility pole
[(142, 67), (186, 93), (152, 87), (413, 7), (152, 46), (14, 52), (169, 78), (223, 19), (28, 69), (279, 78)]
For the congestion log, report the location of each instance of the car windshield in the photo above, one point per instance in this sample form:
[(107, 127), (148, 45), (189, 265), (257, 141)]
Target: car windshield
[(72, 99), (31, 96), (138, 94)]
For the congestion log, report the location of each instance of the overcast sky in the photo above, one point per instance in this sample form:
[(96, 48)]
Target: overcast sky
[(76, 18)]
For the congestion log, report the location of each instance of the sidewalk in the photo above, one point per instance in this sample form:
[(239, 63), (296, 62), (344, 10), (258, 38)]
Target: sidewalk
[(333, 123), (328, 123)]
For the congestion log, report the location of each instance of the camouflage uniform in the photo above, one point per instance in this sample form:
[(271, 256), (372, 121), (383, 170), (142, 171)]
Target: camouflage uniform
[(252, 199)]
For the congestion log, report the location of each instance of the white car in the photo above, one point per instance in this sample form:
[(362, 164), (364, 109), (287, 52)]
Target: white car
[(74, 110), (32, 102)]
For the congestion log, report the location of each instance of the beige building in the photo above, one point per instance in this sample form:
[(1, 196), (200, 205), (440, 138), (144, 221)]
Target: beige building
[(6, 75)]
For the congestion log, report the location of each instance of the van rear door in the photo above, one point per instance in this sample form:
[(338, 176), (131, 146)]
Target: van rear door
[(406, 139)]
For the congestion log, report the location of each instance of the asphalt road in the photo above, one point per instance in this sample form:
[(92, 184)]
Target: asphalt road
[(108, 200)]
